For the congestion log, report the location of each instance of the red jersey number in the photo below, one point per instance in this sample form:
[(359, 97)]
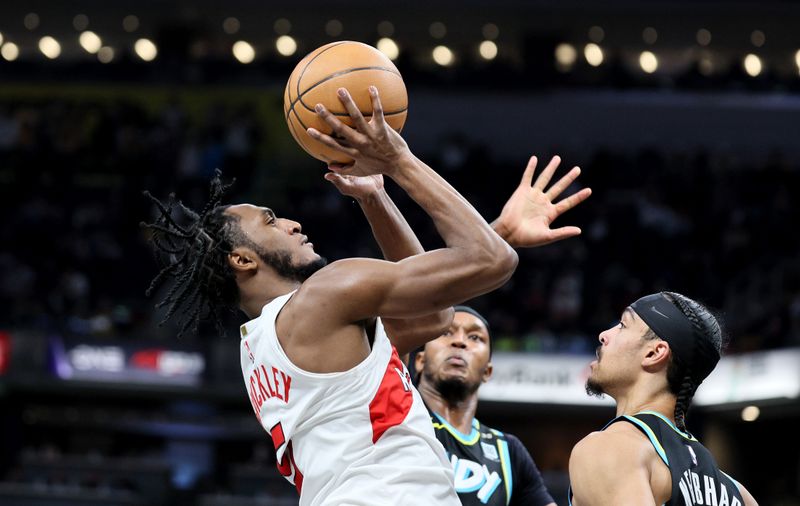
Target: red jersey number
[(286, 466)]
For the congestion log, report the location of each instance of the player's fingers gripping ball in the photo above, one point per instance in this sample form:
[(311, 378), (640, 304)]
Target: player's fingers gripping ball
[(318, 76)]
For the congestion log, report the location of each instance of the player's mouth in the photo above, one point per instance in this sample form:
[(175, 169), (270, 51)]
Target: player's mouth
[(456, 361)]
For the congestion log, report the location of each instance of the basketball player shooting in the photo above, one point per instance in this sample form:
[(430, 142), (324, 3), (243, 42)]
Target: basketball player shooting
[(491, 467), (651, 364), (325, 382)]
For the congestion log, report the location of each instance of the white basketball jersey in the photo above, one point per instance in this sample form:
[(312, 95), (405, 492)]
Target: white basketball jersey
[(359, 437)]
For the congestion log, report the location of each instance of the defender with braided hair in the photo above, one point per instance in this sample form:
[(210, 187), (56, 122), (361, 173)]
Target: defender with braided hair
[(322, 376), (665, 345)]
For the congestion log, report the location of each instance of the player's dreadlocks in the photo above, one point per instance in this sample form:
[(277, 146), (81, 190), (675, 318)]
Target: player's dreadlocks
[(195, 257)]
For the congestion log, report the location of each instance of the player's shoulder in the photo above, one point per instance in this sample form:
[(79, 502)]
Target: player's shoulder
[(492, 433), (514, 444), (341, 275), (516, 449), (319, 306), (620, 444)]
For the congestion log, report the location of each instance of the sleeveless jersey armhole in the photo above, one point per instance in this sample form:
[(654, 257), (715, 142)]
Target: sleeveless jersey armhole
[(647, 432)]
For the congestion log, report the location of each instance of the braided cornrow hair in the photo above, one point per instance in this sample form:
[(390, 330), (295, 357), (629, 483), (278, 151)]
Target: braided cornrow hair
[(195, 255), (684, 378)]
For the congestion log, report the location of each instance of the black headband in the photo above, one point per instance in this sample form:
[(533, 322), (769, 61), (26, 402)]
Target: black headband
[(669, 323), (467, 309)]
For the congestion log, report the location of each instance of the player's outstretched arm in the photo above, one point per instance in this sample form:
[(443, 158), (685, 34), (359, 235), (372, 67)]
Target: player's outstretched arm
[(527, 215), (397, 241), (475, 260), (609, 468)]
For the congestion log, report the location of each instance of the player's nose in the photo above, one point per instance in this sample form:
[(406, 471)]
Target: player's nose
[(292, 226), (458, 339)]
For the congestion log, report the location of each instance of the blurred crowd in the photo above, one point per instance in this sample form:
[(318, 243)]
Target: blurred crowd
[(74, 260)]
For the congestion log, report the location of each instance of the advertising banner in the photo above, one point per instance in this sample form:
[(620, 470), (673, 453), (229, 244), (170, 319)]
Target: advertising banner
[(126, 362), (561, 379)]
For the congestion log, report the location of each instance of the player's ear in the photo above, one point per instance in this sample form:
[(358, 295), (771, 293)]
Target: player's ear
[(242, 260), (487, 372), (419, 361), (657, 354)]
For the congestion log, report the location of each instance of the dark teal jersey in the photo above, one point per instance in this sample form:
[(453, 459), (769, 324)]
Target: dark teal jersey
[(696, 479), (491, 467)]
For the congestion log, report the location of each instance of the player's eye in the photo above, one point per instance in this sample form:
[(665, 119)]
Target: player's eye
[(475, 337), (621, 325)]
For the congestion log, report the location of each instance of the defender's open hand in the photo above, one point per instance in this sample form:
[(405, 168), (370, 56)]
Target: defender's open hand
[(526, 217)]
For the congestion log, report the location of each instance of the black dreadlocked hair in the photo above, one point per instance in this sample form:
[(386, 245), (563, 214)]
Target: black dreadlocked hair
[(195, 257), (682, 377)]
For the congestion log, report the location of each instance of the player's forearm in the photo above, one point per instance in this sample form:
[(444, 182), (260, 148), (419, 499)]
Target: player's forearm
[(390, 229), (461, 227), (398, 241)]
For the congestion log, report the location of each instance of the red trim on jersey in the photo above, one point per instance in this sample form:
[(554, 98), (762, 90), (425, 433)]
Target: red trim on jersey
[(393, 400), (286, 466)]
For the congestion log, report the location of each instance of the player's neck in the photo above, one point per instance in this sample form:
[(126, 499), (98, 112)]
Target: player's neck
[(256, 292), (638, 400), (459, 414)]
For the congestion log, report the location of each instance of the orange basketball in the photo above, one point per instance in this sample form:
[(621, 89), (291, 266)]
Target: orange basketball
[(343, 64)]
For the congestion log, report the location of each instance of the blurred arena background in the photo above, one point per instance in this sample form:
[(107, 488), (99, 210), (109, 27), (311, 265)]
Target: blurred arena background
[(684, 115)]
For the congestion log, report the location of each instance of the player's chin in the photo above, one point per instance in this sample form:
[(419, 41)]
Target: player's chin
[(455, 374)]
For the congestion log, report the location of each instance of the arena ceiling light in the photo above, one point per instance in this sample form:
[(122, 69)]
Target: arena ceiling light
[(797, 58), (649, 35), (90, 42), (130, 23), (490, 31), (80, 22), (385, 29), (593, 54), (437, 30), (145, 49), (757, 38), (566, 55), (751, 413), (105, 54), (648, 61), (9, 51), (752, 65), (1, 38), (443, 56), (388, 47), (49, 47), (244, 52), (282, 26), (703, 37), (31, 21), (286, 45), (706, 65), (231, 25), (488, 50), (334, 28), (597, 34)]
